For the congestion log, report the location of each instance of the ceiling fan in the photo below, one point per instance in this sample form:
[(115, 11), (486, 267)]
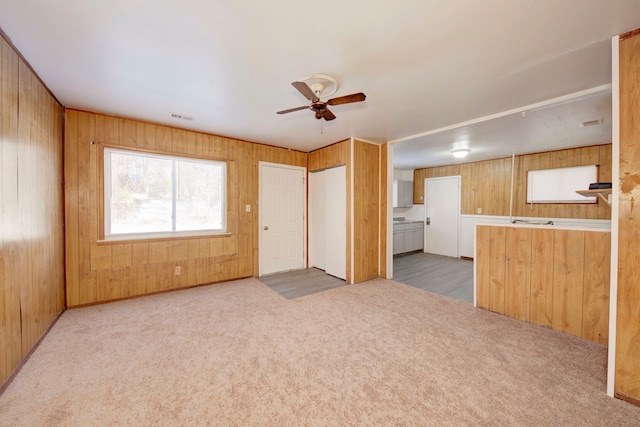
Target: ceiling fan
[(312, 88)]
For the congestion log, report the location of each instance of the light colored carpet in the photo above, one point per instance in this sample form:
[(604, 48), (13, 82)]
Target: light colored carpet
[(378, 353)]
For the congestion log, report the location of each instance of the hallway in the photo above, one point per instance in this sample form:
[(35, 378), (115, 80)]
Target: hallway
[(442, 275)]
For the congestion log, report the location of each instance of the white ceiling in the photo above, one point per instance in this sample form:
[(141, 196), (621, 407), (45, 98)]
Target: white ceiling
[(579, 121), (424, 65)]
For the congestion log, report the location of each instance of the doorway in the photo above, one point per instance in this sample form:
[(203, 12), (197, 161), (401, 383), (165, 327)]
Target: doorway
[(282, 195), (442, 216)]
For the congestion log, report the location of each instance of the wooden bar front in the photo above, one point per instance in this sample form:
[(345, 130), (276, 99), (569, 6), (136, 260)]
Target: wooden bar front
[(558, 278)]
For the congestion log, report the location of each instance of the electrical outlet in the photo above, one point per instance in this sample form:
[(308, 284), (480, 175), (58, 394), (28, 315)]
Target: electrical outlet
[(178, 270), (479, 210), (247, 208)]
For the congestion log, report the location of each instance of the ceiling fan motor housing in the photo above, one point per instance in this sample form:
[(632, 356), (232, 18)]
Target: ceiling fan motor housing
[(318, 106)]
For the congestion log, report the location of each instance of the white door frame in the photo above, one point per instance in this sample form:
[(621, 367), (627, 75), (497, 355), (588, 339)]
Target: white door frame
[(459, 179), (261, 164), (315, 255)]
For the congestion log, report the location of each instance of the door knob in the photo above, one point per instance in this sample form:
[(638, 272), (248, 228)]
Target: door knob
[(266, 228)]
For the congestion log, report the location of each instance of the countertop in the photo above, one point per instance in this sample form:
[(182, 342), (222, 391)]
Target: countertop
[(547, 226), (406, 221)]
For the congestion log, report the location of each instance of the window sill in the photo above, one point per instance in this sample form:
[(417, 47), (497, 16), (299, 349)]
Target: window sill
[(143, 239)]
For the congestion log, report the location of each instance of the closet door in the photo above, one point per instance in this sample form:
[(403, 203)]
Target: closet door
[(336, 221), (317, 239)]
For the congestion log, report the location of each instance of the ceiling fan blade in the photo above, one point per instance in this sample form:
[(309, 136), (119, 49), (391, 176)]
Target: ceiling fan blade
[(354, 97), (328, 115), (291, 110), (305, 90)]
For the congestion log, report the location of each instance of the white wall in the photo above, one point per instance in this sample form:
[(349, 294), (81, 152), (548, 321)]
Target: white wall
[(404, 175)]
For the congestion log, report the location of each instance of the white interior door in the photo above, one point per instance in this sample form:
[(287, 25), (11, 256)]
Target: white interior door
[(317, 215), (282, 210), (442, 211), (336, 221)]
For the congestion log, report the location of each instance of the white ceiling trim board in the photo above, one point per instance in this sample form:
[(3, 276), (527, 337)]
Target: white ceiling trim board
[(564, 98)]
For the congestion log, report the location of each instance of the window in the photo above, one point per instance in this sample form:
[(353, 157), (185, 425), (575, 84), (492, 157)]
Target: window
[(559, 185), (154, 195)]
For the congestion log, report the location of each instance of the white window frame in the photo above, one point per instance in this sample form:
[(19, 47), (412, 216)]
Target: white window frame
[(108, 236)]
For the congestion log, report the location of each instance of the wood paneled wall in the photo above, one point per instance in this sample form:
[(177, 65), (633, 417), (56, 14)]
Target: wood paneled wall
[(31, 210), (627, 368), (366, 210), (335, 155), (550, 277), (486, 186), (99, 272), (332, 155)]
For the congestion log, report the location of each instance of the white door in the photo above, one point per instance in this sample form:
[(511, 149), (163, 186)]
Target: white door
[(317, 215), (282, 210), (336, 221), (442, 215)]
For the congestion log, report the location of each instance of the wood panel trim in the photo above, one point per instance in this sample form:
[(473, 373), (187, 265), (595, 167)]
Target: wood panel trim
[(158, 292), (629, 34), (102, 145), (160, 239), (627, 398)]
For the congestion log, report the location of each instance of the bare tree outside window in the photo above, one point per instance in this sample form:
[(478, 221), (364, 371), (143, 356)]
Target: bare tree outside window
[(149, 193)]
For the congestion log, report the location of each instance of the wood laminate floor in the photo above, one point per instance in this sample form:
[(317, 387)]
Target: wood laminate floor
[(439, 274), (442, 275), (298, 283)]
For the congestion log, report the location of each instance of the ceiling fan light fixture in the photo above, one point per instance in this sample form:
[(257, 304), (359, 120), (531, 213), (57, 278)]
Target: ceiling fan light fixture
[(460, 153), (322, 85)]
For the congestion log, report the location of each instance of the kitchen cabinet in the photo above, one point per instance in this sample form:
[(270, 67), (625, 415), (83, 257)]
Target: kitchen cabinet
[(402, 193), (398, 241), (408, 236), (558, 278)]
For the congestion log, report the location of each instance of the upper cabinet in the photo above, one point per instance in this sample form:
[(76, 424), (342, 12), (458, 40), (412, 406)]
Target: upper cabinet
[(402, 194)]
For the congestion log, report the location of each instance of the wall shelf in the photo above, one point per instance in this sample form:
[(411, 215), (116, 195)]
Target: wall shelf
[(603, 193)]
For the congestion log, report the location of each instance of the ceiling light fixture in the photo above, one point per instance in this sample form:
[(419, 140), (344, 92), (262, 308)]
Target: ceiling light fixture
[(460, 153)]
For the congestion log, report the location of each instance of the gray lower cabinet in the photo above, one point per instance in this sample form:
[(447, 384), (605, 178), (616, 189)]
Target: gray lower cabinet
[(408, 237)]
